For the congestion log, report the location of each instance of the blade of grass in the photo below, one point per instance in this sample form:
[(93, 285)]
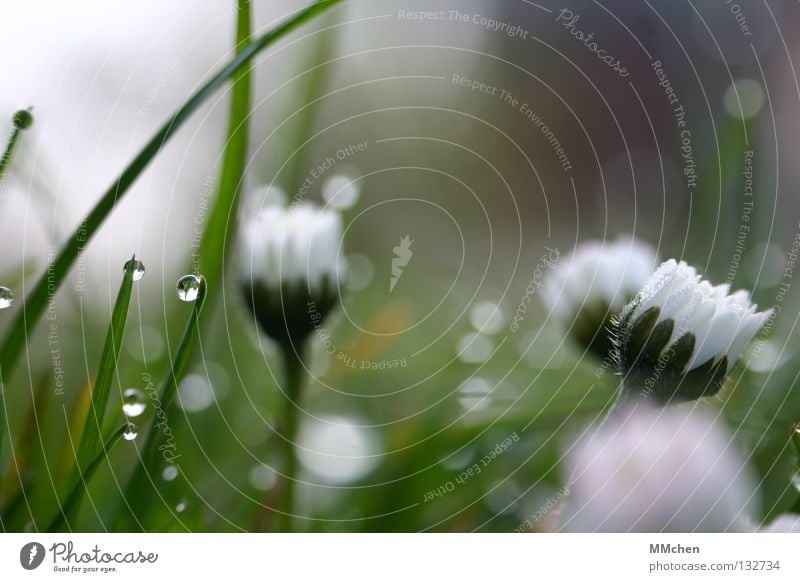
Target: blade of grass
[(90, 437), (36, 303), (714, 186), (138, 494), (314, 88), (220, 229), (90, 441), (71, 502)]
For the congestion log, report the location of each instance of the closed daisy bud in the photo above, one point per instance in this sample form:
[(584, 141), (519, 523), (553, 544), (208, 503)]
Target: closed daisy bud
[(588, 287), (680, 337), (291, 267)]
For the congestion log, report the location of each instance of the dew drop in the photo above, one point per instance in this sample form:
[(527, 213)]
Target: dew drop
[(6, 297), (182, 506), (131, 432), (188, 288), (169, 473), (137, 266), (133, 403)]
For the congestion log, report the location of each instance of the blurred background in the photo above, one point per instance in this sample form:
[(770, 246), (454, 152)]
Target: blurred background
[(488, 134)]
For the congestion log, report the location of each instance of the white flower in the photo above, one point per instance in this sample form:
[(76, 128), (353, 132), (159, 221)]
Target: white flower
[(682, 336), (291, 267), (586, 288), (671, 470), (784, 523), (301, 245)]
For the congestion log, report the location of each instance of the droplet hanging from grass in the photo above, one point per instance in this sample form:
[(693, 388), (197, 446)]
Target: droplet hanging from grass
[(188, 288), (133, 403), (182, 506), (131, 432), (136, 266), (6, 297)]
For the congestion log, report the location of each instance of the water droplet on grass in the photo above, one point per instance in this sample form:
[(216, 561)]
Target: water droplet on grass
[(6, 297), (131, 432), (133, 402), (137, 266), (188, 288)]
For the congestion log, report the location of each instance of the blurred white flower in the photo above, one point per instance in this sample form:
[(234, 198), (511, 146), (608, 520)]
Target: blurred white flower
[(586, 288), (680, 337), (291, 267), (672, 470), (784, 523)]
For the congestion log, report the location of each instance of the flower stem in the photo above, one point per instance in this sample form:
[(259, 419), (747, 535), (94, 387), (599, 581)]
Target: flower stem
[(293, 362)]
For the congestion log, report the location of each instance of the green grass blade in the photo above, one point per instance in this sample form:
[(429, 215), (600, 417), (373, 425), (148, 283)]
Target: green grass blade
[(714, 186), (315, 84), (36, 303), (138, 495), (220, 229), (70, 505), (91, 435)]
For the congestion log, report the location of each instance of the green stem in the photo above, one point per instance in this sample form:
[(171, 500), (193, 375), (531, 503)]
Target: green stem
[(36, 303), (22, 120), (70, 505), (220, 229), (293, 363)]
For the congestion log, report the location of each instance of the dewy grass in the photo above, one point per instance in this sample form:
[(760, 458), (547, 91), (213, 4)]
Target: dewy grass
[(34, 306), (220, 229), (138, 494), (91, 436), (70, 505)]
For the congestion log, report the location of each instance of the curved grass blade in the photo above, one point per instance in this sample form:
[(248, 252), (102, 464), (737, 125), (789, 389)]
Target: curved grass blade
[(90, 441), (220, 229), (36, 303), (138, 494), (71, 502)]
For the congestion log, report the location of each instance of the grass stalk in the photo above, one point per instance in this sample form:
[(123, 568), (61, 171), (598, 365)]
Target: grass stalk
[(220, 229), (35, 304), (72, 501), (139, 495)]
